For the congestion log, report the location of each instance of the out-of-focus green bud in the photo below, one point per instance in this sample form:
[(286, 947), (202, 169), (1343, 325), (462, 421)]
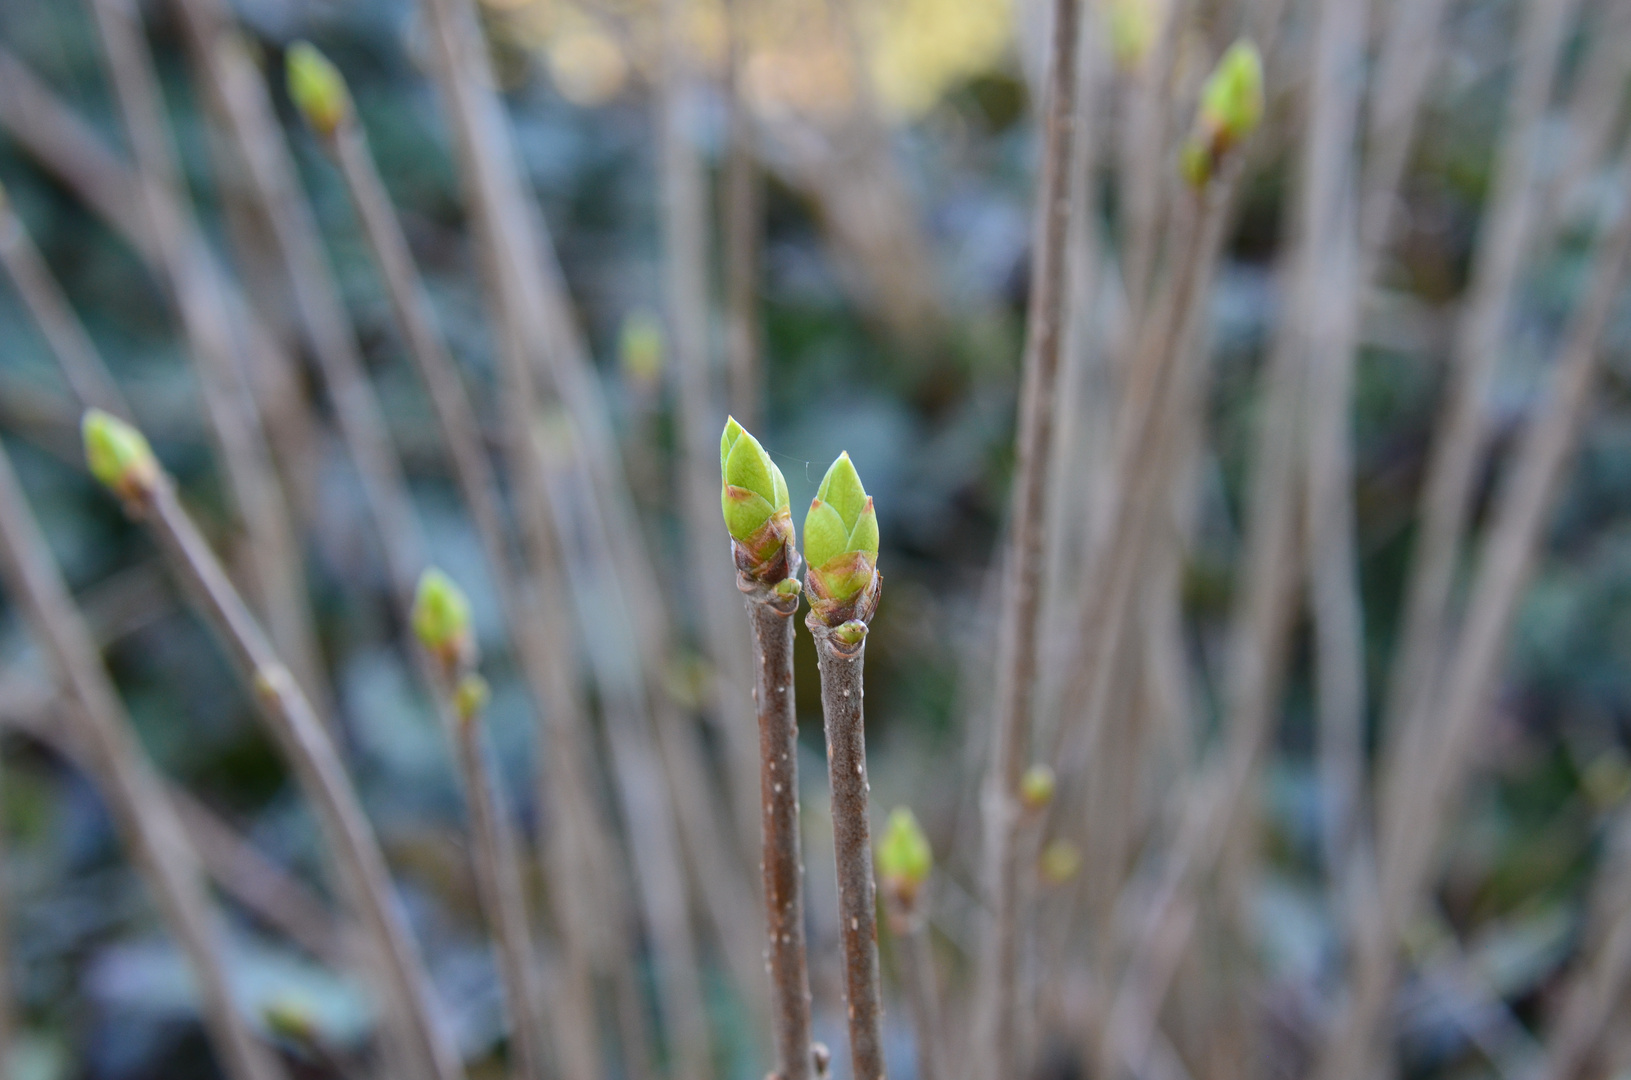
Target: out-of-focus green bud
[(441, 620), (316, 87), (640, 350), (118, 455), (904, 856), (1230, 110), (754, 498), (291, 1018), (1132, 27), (1036, 787), (470, 698), (841, 547), (1060, 861)]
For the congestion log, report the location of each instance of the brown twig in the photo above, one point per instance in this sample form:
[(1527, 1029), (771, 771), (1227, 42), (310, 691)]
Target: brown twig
[(308, 746), (498, 878), (741, 216), (685, 220), (565, 790), (241, 872), (239, 93), (171, 236), (771, 615), (910, 931), (76, 355), (133, 790), (1458, 444), (841, 694), (590, 508), (1422, 791), (1018, 661)]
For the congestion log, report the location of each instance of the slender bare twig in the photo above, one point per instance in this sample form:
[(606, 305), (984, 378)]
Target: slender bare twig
[(240, 95), (498, 876), (909, 929), (771, 614), (1596, 989), (589, 504), (841, 693), (741, 216), (197, 289), (308, 746), (565, 789), (134, 792), (1020, 629), (241, 872), (1323, 326), (76, 355), (1446, 499), (685, 219), (8, 995), (1422, 792)]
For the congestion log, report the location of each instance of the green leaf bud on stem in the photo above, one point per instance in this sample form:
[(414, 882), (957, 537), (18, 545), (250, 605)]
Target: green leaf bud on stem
[(1132, 29), (470, 698), (441, 621), (904, 856), (753, 496), (118, 456), (1036, 788), (1060, 861), (841, 549), (292, 1019), (317, 88), (1231, 109)]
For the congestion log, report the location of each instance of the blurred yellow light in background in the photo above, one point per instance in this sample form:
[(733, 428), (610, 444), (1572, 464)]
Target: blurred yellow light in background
[(800, 53), (587, 65)]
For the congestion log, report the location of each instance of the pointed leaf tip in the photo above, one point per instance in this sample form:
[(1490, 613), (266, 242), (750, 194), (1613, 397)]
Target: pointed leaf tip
[(753, 488)]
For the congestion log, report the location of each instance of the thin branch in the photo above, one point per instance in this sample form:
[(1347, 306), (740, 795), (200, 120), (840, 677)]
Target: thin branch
[(1446, 499), (1423, 791), (742, 220), (309, 748), (197, 288), (771, 616), (686, 273), (251, 879), (841, 694), (239, 92), (498, 876), (76, 354), (134, 793), (566, 790), (1022, 611)]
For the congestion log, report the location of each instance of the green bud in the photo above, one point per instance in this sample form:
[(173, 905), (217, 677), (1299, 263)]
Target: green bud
[(640, 349), (470, 698), (1060, 861), (753, 496), (1132, 28), (291, 1018), (316, 87), (904, 855), (1036, 787), (1230, 110), (118, 455), (841, 546), (441, 620)]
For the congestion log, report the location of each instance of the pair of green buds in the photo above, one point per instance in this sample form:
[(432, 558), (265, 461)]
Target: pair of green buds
[(840, 530)]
